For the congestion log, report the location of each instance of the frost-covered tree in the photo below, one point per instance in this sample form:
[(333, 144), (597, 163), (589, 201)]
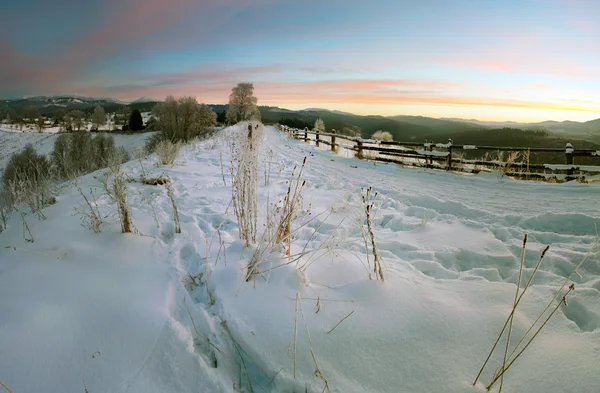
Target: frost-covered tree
[(181, 119), (382, 136), (354, 131), (319, 126), (242, 104), (98, 117)]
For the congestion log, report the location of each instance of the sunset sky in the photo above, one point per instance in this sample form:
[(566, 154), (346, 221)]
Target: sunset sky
[(521, 60)]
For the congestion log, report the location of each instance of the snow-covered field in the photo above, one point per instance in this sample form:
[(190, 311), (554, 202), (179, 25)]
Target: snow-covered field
[(13, 142), (149, 312)]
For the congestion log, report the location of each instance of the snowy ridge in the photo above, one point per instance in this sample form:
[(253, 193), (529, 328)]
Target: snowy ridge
[(116, 306)]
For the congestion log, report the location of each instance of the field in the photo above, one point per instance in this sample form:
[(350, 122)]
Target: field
[(159, 311)]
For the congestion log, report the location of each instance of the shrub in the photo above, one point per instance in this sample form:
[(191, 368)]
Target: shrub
[(167, 151), (26, 166), (79, 153), (382, 136)]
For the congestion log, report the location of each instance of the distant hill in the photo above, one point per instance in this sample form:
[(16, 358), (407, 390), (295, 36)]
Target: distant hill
[(566, 129), (48, 105)]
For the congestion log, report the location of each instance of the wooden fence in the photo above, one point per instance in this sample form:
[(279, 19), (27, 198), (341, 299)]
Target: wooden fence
[(448, 156)]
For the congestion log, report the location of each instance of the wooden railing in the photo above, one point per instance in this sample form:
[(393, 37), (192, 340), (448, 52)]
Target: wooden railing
[(448, 156)]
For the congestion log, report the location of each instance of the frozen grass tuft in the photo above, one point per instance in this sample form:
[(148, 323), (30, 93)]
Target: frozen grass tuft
[(368, 201), (244, 180), (116, 190), (560, 295), (167, 151)]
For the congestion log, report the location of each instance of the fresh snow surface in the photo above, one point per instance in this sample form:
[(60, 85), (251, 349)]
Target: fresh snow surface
[(109, 311)]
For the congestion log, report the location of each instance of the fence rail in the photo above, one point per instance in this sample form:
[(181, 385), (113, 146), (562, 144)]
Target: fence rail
[(449, 157)]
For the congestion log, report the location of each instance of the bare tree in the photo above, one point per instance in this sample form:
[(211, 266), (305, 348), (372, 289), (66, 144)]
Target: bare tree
[(242, 104), (181, 119), (98, 117)]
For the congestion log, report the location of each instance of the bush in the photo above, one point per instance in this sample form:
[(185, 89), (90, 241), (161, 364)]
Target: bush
[(382, 136), (167, 151), (26, 166), (79, 153)]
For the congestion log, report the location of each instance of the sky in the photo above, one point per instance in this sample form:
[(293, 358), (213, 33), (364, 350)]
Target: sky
[(519, 60)]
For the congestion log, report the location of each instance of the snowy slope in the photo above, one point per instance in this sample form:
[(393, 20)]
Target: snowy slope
[(111, 311)]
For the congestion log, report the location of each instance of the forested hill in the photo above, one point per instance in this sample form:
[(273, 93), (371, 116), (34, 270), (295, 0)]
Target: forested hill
[(411, 128)]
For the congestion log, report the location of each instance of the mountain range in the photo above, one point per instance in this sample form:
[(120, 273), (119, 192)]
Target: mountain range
[(402, 127)]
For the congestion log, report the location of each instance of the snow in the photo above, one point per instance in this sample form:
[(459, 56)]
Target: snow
[(469, 147), (110, 310)]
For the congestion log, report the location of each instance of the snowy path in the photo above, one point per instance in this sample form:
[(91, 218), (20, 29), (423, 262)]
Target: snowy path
[(113, 311)]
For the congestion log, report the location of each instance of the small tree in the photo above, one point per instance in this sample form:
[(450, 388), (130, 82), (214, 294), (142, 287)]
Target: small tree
[(319, 126), (136, 123), (242, 104), (354, 131), (77, 119), (382, 136), (98, 117)]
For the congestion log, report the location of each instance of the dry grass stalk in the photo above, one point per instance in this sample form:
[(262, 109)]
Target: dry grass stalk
[(5, 387), (167, 151), (515, 304), (117, 192), (558, 292), (90, 216), (338, 324), (510, 160), (150, 202), (510, 325), (368, 200), (318, 371), (25, 226), (222, 171), (292, 203), (244, 186), (175, 211), (506, 367)]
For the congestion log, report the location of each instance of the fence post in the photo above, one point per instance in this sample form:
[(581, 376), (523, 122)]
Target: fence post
[(317, 138), (569, 159), (306, 134), (333, 143), (359, 153), (449, 155)]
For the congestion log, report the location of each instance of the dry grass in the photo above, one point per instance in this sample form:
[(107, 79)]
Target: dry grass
[(167, 151), (536, 327), (244, 183), (368, 201), (175, 210), (90, 213), (5, 387), (117, 192), (510, 160)]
